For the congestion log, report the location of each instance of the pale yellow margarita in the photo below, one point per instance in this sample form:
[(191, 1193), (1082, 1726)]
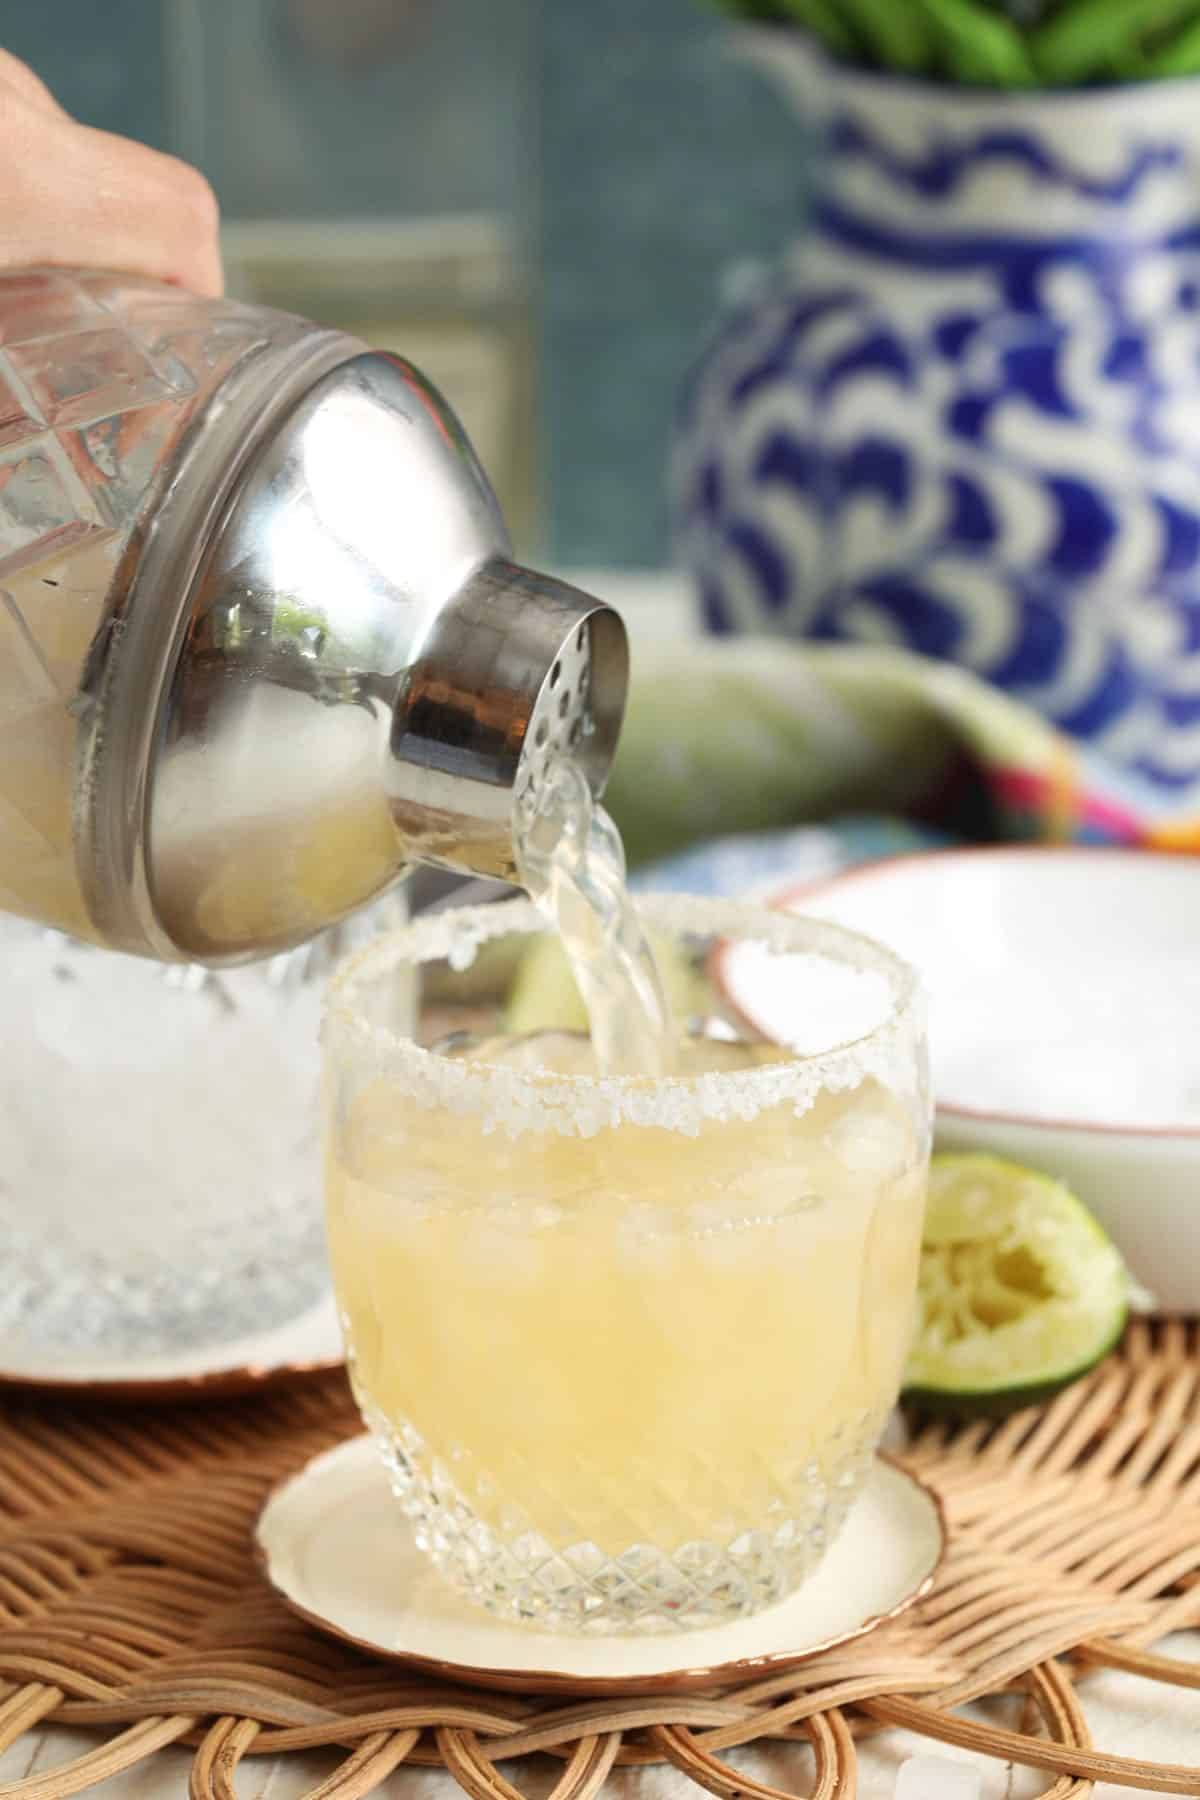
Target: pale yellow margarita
[(626, 1323)]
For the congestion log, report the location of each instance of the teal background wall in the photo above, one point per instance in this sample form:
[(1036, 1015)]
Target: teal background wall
[(102, 58), (664, 162), (636, 159)]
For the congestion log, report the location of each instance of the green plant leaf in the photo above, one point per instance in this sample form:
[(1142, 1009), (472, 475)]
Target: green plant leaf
[(896, 35), (999, 43), (1096, 38), (760, 12), (977, 47), (826, 19), (1181, 56)]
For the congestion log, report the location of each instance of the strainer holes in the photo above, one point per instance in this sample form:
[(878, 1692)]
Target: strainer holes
[(555, 672), (540, 735), (574, 735), (581, 639), (564, 703)]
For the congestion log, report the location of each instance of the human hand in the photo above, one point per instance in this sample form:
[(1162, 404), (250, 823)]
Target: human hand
[(76, 197)]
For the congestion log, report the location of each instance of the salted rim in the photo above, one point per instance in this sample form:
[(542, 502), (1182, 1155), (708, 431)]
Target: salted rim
[(581, 1105)]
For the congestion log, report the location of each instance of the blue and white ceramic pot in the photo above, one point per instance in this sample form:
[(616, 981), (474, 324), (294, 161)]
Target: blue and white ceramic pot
[(962, 413)]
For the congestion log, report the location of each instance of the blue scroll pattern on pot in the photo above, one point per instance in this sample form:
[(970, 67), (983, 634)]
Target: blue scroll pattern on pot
[(963, 414)]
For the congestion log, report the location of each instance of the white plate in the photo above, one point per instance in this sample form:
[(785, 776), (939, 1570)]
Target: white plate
[(303, 1345), (338, 1549), (1064, 988)]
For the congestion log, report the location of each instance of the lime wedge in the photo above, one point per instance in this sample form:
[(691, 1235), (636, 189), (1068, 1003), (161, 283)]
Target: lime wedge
[(1020, 1290), (544, 997)]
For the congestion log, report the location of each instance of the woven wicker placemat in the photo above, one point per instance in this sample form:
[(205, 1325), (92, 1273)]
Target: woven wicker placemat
[(130, 1602)]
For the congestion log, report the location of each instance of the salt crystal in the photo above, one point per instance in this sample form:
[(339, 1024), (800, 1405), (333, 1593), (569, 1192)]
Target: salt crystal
[(463, 948), (937, 1778)]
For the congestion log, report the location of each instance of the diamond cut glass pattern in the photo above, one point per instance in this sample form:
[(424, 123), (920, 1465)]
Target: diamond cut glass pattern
[(626, 1344), (99, 376)]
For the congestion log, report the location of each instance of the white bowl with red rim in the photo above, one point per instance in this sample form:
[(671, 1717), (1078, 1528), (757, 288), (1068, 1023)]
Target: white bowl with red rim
[(1064, 993)]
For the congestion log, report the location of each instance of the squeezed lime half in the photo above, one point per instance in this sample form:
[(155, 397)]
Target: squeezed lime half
[(1020, 1290)]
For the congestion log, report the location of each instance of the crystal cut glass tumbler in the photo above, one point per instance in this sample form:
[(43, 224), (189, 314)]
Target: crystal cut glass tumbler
[(627, 1344)]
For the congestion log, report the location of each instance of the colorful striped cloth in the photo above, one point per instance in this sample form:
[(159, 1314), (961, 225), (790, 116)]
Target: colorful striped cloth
[(730, 745)]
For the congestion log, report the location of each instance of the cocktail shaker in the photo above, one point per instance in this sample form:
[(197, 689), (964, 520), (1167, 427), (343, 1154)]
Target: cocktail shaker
[(262, 644)]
